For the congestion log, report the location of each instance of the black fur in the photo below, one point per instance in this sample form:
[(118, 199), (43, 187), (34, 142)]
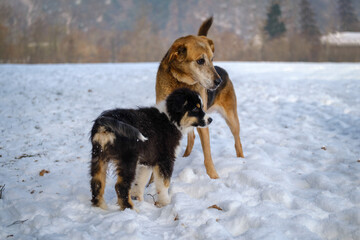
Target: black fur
[(127, 150), (177, 109), (205, 26), (213, 93), (117, 126), (95, 188)]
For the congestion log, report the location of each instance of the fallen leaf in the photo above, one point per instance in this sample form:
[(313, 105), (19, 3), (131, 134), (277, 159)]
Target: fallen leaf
[(216, 207), (42, 172)]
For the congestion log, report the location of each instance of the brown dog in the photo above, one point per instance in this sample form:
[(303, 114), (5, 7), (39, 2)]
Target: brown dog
[(188, 63)]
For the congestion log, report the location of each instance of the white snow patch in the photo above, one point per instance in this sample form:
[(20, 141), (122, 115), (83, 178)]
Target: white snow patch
[(300, 129)]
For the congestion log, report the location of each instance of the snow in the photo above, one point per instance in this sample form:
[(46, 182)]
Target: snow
[(300, 179), (342, 39)]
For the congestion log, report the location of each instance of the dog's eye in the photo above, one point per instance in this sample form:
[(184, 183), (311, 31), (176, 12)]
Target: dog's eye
[(200, 61), (196, 109)]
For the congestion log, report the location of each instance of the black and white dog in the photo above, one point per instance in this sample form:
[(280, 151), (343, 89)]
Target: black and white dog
[(141, 141)]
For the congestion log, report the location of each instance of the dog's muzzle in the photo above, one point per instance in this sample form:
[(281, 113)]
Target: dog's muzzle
[(216, 82)]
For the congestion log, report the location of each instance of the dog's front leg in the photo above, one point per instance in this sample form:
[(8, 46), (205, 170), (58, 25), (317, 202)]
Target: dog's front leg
[(141, 179), (162, 187), (205, 143), (190, 143)]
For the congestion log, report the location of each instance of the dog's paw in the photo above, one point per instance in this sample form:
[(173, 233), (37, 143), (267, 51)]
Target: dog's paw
[(103, 205), (162, 202), (136, 210), (137, 198), (212, 174), (136, 194)]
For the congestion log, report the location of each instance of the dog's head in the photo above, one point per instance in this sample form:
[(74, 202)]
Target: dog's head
[(190, 60), (184, 107)]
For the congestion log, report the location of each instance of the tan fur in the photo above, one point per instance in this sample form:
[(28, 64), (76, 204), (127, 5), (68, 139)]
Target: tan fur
[(179, 69), (101, 176), (120, 202), (167, 183), (226, 104), (187, 121), (190, 143), (103, 137)]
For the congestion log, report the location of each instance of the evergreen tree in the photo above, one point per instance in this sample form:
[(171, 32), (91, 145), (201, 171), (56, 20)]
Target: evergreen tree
[(348, 19), (309, 29), (274, 26)]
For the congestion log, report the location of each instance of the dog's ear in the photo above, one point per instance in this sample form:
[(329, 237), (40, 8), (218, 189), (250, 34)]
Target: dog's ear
[(179, 53), (176, 103), (211, 43)]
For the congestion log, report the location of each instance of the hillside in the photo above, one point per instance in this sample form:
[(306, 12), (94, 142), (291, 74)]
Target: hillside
[(113, 30), (169, 17)]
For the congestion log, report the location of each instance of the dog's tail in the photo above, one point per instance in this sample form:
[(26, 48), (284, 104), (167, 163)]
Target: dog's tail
[(121, 128), (205, 26)]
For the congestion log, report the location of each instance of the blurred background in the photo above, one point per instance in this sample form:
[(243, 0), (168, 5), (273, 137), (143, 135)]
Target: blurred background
[(82, 31)]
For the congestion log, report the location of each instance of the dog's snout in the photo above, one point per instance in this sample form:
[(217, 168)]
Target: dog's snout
[(217, 81), (204, 122)]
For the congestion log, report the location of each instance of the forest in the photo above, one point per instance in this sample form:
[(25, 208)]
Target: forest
[(91, 31)]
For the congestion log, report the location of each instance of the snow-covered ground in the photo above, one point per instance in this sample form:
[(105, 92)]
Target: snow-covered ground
[(300, 178)]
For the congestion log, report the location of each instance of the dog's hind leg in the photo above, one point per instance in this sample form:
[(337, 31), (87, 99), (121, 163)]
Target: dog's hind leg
[(98, 174), (225, 103), (142, 177), (232, 121), (205, 143), (126, 170), (122, 188), (228, 109), (190, 143)]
